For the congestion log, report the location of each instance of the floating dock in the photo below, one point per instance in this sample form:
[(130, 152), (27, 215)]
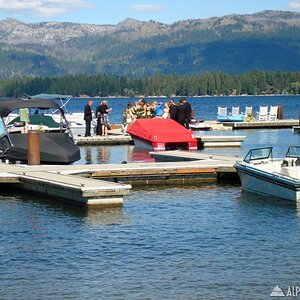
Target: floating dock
[(49, 182), (107, 184), (120, 139), (262, 124), (111, 139), (218, 141)]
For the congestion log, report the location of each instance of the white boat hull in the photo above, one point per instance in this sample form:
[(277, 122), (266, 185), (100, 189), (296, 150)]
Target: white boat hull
[(265, 180), (141, 144), (262, 186)]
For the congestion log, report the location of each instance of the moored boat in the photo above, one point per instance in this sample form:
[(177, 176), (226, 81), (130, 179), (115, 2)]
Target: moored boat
[(161, 134), (200, 127), (260, 173), (57, 145), (231, 118)]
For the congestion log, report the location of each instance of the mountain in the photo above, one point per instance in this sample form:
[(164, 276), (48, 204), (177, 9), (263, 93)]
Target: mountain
[(268, 40)]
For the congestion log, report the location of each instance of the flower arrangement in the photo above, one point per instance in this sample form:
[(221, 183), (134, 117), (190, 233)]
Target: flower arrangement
[(249, 118)]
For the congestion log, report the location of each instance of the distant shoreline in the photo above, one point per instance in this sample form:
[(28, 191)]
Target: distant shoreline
[(202, 96)]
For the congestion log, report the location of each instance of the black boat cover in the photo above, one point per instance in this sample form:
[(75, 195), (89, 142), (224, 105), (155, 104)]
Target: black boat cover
[(7, 106)]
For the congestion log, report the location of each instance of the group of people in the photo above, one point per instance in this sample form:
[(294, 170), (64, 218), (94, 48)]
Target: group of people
[(180, 112), (101, 115)]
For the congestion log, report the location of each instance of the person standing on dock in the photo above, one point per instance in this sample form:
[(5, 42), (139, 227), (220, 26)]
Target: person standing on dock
[(98, 116), (104, 116), (188, 112), (172, 108), (88, 117), (166, 111), (180, 112)]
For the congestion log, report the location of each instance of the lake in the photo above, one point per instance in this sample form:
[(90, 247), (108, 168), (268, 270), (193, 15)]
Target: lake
[(205, 107), (198, 242), (201, 242), (280, 139)]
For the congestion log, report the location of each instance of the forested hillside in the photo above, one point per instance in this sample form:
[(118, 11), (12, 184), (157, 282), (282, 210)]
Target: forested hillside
[(250, 83), (268, 41)]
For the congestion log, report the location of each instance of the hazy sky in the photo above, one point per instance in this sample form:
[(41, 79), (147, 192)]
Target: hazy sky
[(114, 11)]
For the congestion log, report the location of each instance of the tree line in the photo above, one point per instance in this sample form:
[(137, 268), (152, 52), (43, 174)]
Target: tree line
[(215, 83)]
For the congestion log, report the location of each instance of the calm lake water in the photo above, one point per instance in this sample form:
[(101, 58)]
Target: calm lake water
[(204, 242), (205, 107), (280, 139), (197, 242)]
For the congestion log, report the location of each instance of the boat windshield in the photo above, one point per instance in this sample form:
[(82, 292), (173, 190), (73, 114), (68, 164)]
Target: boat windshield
[(2, 127), (293, 152), (258, 154)]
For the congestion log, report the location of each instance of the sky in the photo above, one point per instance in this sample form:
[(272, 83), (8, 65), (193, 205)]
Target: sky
[(115, 11)]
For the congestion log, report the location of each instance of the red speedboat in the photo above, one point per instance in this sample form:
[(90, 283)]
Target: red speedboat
[(161, 134)]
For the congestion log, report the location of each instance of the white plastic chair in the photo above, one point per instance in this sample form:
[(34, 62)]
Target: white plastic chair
[(273, 113), (262, 114), (235, 110), (222, 111), (248, 110)]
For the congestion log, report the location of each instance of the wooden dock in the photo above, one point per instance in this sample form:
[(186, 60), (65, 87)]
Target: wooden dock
[(107, 184), (120, 139), (262, 124), (49, 182), (111, 139), (218, 141)]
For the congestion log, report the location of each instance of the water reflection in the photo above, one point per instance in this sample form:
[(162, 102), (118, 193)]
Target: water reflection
[(113, 154), (95, 215), (138, 155), (252, 199), (103, 154), (88, 155), (32, 206)]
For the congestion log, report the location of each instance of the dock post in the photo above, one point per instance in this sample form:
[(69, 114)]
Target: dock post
[(33, 147), (280, 112)]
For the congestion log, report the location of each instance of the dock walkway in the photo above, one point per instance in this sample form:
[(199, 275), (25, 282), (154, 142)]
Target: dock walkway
[(49, 182), (262, 124), (106, 184), (121, 139)]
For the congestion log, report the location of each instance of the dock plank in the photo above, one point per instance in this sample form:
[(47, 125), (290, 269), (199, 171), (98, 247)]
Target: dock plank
[(262, 124), (116, 139)]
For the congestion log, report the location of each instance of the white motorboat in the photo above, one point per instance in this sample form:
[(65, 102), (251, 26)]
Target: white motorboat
[(260, 173), (75, 119)]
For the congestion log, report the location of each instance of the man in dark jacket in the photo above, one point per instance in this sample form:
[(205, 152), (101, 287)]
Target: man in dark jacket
[(188, 113), (181, 112), (172, 111), (88, 117)]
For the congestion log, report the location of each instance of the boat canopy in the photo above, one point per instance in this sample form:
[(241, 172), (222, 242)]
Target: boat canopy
[(51, 96), (7, 106), (160, 131)]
